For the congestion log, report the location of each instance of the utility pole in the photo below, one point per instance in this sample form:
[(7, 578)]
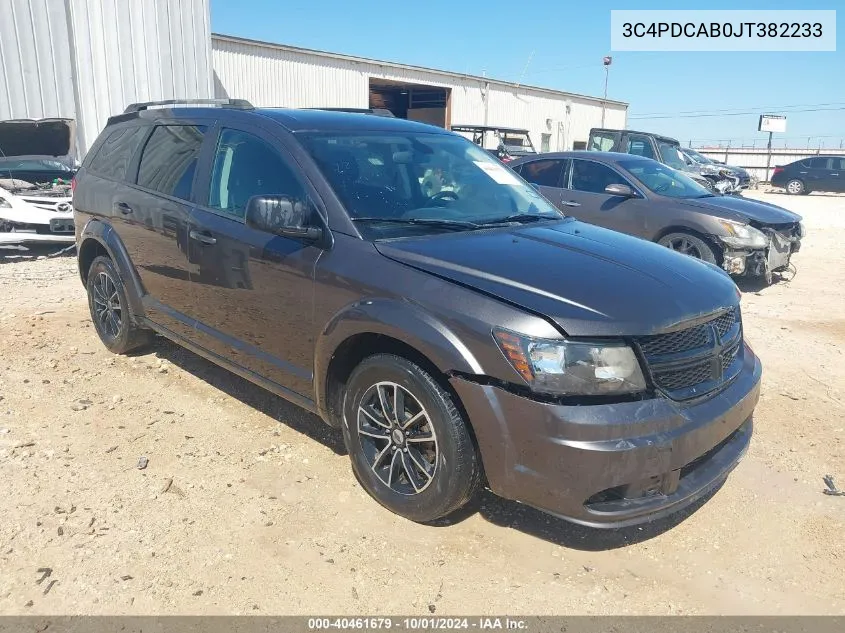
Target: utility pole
[(607, 61), (768, 157)]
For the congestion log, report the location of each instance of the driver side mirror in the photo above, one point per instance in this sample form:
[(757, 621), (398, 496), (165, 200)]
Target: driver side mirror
[(283, 215), (618, 189)]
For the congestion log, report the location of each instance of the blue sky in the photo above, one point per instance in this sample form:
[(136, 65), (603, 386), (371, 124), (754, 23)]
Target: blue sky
[(568, 40)]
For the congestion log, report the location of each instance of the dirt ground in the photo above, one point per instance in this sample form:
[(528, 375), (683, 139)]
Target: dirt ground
[(248, 505)]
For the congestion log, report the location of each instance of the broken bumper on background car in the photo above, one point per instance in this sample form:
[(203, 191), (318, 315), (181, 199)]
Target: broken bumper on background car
[(33, 220), (783, 241), (612, 465)]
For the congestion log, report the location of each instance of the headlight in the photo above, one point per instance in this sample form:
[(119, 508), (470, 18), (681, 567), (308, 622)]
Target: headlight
[(742, 236), (802, 229), (572, 368), (4, 204)]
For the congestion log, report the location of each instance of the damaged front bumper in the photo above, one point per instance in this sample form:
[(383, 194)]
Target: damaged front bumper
[(34, 220), (611, 465), (783, 242)]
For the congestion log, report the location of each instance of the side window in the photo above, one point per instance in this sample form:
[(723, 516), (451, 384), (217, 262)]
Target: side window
[(839, 164), (593, 177), (246, 166), (640, 146), (546, 173), (116, 152), (602, 141), (170, 159), (821, 163)]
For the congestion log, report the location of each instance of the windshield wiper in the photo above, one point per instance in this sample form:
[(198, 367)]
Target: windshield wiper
[(521, 217), (450, 224)]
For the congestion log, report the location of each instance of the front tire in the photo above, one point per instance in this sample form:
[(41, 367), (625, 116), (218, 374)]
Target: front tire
[(688, 244), (109, 309), (410, 447), (795, 187)]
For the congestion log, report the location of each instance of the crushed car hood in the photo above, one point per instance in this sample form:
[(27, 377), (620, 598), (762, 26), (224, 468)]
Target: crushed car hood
[(588, 280), (743, 209), (37, 137)]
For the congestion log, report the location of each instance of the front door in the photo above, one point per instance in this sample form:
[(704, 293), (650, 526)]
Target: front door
[(835, 177), (151, 218), (586, 199), (253, 292)]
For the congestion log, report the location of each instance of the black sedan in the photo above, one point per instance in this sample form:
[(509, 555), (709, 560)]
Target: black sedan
[(819, 173)]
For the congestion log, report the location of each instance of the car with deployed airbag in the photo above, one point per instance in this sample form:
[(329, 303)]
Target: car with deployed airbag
[(459, 332)]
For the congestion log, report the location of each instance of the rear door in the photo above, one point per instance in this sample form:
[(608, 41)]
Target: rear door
[(586, 199), (818, 176), (253, 291), (151, 219), (547, 175)]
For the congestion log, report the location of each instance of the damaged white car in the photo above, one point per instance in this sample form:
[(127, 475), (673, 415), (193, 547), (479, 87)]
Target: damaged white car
[(36, 170)]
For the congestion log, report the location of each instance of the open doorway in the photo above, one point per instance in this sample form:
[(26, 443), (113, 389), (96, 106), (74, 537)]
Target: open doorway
[(416, 102)]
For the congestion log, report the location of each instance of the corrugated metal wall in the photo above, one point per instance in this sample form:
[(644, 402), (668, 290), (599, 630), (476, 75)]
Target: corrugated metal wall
[(87, 59), (272, 75)]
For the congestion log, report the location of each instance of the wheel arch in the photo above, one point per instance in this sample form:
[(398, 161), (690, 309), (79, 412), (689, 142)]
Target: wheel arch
[(698, 232), (99, 238), (384, 326)]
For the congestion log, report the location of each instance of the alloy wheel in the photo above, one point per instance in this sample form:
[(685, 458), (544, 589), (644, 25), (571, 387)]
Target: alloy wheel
[(793, 186), (398, 438), (107, 308), (684, 246)]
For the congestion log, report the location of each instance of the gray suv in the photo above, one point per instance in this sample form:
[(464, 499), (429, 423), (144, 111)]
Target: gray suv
[(642, 197), (459, 334)]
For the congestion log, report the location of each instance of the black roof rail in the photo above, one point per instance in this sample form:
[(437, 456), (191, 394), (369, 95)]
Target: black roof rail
[(241, 104), (373, 111)]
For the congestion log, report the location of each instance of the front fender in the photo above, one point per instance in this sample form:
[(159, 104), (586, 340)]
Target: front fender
[(105, 235), (397, 319)]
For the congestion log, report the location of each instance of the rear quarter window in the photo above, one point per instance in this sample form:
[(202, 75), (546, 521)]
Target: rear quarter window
[(115, 154)]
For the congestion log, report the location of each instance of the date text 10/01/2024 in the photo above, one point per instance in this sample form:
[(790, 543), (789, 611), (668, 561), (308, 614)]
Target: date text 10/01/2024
[(417, 623)]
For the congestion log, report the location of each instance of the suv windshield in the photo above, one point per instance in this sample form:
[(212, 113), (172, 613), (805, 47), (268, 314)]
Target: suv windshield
[(671, 155), (420, 182), (664, 180)]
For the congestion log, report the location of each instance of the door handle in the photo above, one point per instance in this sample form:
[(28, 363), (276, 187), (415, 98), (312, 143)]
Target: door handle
[(570, 203), (203, 237), (836, 174), (124, 208)]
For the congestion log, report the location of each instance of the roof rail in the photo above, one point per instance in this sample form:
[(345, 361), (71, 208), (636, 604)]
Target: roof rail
[(241, 104), (373, 111)]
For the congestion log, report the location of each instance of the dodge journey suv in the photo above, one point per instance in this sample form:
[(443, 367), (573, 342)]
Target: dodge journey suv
[(460, 334)]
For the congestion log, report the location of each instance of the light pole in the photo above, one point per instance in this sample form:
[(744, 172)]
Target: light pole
[(607, 61)]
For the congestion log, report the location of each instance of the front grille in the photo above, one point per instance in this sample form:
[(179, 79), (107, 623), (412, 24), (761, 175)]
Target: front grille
[(691, 362)]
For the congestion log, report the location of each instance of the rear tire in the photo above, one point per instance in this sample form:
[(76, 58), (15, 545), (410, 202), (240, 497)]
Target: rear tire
[(795, 187), (420, 463), (688, 244), (109, 309)]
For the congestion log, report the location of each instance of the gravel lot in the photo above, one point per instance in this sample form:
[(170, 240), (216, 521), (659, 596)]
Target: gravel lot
[(248, 505)]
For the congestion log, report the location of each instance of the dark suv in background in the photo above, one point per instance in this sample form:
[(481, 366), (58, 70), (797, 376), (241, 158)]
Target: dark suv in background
[(461, 334)]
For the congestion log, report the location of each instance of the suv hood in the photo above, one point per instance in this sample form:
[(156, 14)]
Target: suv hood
[(588, 280), (743, 209), (41, 137)]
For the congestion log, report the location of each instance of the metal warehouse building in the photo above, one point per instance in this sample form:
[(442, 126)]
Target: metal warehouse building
[(87, 59), (277, 75)]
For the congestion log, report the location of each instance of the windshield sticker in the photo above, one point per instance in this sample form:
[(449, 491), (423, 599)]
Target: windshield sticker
[(498, 173)]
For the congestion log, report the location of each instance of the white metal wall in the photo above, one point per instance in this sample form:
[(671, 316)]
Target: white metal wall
[(274, 75), (87, 59)]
